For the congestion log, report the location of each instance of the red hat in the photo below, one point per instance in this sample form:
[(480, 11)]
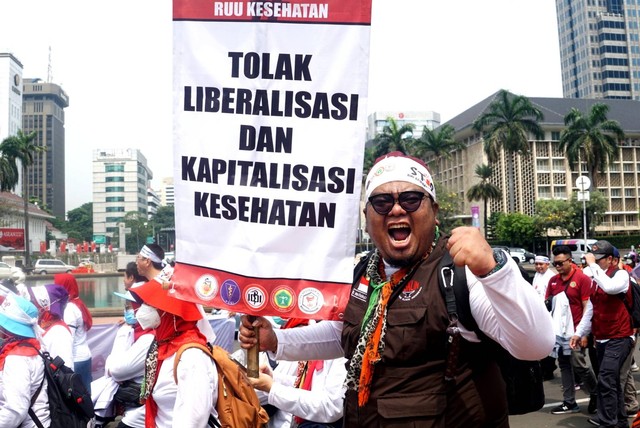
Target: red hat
[(154, 294)]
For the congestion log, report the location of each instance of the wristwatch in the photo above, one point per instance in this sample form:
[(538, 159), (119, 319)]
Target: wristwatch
[(501, 259)]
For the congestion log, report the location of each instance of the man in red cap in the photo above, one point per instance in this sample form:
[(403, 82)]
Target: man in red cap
[(396, 325), (612, 329)]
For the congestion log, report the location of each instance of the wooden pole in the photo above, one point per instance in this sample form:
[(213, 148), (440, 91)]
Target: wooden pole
[(253, 354)]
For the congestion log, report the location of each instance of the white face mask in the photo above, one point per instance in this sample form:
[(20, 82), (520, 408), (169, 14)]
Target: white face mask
[(148, 317)]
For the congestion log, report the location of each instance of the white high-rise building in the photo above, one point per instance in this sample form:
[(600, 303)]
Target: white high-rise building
[(167, 195), (121, 178), (421, 119), (10, 95)]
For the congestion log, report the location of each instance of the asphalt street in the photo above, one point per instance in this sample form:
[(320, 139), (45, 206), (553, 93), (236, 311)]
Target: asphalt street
[(553, 397)]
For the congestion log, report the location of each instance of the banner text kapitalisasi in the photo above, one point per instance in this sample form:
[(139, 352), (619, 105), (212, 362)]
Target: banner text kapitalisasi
[(225, 173)]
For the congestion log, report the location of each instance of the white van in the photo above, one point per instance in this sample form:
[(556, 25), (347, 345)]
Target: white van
[(578, 247)]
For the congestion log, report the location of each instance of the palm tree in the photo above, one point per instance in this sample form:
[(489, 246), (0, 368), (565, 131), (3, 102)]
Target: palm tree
[(8, 174), (394, 137), (592, 138), (484, 190), (506, 126), (439, 142), (22, 147)]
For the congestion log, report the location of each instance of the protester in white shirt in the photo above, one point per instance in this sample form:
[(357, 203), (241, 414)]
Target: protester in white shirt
[(51, 300), (542, 276), (21, 368), (188, 397)]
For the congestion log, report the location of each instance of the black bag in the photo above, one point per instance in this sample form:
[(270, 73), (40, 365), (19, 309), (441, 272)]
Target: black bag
[(70, 403), (128, 394), (632, 302), (523, 379)]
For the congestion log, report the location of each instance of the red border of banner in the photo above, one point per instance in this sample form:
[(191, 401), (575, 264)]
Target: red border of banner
[(339, 11), (259, 296)]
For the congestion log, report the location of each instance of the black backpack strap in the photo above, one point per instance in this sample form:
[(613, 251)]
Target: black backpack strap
[(454, 277)]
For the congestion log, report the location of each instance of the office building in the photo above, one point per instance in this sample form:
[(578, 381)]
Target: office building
[(167, 192), (121, 178), (10, 95), (599, 48), (43, 112), (153, 202), (421, 119), (546, 173)]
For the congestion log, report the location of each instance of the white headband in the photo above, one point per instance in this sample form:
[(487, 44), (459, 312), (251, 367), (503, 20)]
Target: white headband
[(398, 168), (542, 259), (147, 253)]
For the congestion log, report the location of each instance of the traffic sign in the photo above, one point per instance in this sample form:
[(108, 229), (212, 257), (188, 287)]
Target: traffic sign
[(583, 183)]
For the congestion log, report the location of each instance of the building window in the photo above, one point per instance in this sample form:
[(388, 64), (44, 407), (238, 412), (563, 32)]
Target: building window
[(113, 219), (115, 209), (114, 189), (114, 199), (114, 179), (114, 167)]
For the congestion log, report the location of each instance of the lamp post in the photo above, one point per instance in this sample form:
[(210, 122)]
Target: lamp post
[(583, 183)]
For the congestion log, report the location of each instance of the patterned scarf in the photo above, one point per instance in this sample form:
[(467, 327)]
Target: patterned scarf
[(371, 343), (171, 334)]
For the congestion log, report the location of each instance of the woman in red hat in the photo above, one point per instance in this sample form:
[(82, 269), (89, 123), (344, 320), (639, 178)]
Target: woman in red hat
[(191, 400)]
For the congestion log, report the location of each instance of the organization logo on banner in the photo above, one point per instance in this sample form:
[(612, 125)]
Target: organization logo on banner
[(283, 298), (230, 292), (206, 287), (255, 297), (310, 301)]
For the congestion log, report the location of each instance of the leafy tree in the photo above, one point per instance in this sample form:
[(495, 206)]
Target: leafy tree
[(79, 223), (484, 190), (592, 138), (164, 217), (139, 231), (554, 214), (596, 207), (393, 137), (506, 126), (439, 142), (517, 229), (21, 147), (450, 204)]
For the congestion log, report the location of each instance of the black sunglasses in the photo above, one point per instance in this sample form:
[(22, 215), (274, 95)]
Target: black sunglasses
[(384, 202), (560, 263)]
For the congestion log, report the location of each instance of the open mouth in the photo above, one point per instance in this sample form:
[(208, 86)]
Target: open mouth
[(399, 232)]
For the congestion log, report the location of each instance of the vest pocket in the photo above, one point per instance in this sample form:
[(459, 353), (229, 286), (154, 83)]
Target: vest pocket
[(412, 407)]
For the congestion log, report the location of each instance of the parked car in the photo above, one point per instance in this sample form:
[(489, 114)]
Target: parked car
[(522, 255), (45, 266), (7, 271)]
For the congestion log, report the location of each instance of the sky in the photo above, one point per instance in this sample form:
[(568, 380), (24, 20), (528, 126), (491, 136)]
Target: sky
[(114, 61)]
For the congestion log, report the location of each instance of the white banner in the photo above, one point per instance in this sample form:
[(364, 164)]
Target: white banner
[(270, 120)]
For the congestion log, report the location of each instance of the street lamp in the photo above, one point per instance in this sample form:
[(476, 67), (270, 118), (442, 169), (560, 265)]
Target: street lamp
[(583, 183)]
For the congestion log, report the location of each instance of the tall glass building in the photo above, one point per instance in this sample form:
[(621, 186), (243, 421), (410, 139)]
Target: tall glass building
[(599, 48)]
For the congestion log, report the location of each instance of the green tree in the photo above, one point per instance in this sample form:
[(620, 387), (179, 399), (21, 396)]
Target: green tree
[(555, 214), (517, 229), (164, 217), (79, 223), (484, 190), (139, 231), (450, 204), (596, 207), (393, 137), (506, 126), (22, 147), (592, 138), (8, 173), (439, 142)]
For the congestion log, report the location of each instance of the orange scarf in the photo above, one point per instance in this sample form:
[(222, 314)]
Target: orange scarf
[(15, 348), (371, 354)]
